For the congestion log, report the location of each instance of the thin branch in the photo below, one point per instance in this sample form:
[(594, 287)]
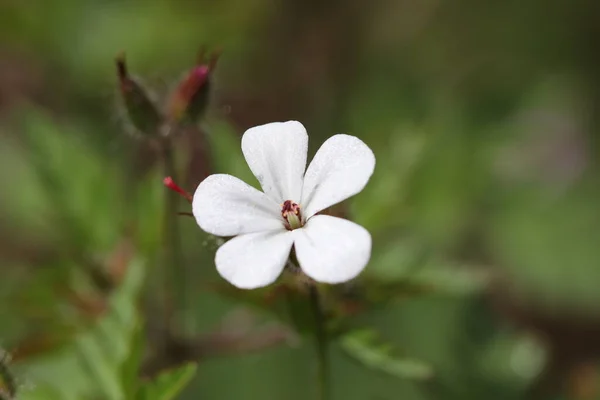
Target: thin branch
[(173, 251)]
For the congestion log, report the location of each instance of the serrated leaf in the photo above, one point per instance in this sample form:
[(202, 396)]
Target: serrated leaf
[(93, 365), (366, 347), (167, 384)]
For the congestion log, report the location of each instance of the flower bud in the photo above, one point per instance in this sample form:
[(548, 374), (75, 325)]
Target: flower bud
[(140, 109), (190, 98)]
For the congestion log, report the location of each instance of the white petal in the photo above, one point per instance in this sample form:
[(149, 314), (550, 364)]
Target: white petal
[(225, 206), (276, 154), (341, 168), (254, 260), (332, 250)]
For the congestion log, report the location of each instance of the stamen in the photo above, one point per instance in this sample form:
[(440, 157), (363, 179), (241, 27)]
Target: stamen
[(169, 183), (290, 212)]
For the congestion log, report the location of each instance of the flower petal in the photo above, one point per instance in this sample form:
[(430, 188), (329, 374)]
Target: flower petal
[(332, 250), (341, 168), (226, 206), (276, 154), (254, 260)]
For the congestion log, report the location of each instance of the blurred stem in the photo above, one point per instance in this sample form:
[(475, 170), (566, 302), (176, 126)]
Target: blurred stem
[(321, 343), (173, 251)]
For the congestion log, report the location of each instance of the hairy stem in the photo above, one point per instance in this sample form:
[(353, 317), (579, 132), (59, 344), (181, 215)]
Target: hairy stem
[(173, 250), (321, 343)]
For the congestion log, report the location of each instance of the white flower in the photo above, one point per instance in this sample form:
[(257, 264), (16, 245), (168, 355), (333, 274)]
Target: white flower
[(267, 225)]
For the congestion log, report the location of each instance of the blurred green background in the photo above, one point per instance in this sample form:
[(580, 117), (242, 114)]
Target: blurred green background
[(484, 206)]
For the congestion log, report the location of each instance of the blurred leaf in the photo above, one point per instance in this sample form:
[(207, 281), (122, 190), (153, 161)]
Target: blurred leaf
[(131, 367), (365, 347), (99, 368), (167, 384), (285, 301), (549, 246), (513, 357), (26, 203), (458, 280), (94, 363), (382, 203), (397, 257), (408, 261), (73, 196), (80, 187)]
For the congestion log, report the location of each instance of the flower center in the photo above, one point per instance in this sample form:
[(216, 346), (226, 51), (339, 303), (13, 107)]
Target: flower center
[(290, 212)]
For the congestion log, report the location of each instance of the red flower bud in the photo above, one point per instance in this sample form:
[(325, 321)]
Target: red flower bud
[(190, 98)]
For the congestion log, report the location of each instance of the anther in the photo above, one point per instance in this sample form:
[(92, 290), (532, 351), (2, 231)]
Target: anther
[(290, 212)]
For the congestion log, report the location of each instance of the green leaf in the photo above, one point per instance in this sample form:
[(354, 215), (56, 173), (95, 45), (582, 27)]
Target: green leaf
[(131, 367), (95, 363), (366, 347), (168, 384), (72, 177)]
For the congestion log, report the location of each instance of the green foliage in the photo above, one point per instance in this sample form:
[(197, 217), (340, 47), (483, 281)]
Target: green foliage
[(76, 212), (366, 347), (105, 360), (93, 364), (167, 384), (483, 207), (79, 187)]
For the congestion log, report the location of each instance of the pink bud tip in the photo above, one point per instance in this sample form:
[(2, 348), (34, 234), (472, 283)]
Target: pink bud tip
[(201, 71), (170, 183)]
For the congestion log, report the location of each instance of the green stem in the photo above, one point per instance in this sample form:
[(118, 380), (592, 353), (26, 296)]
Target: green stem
[(173, 250), (321, 343)]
